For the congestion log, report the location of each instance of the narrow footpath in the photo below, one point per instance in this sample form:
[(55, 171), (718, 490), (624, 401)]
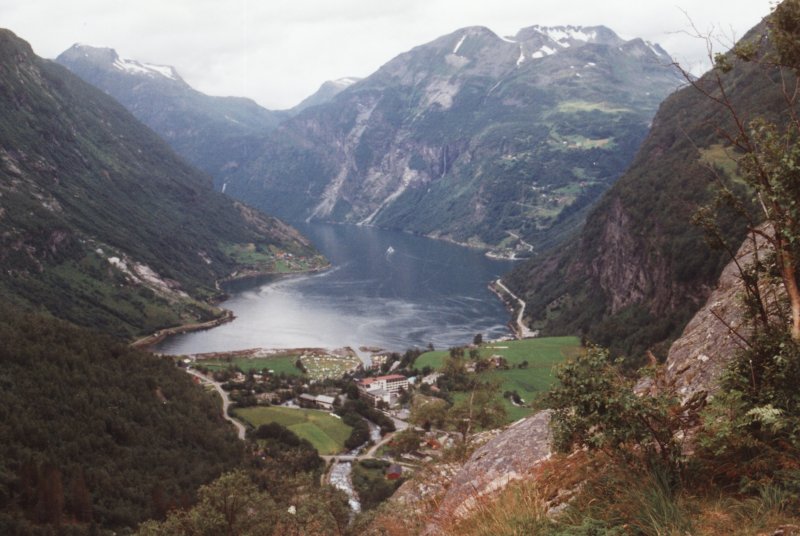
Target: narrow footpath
[(226, 402)]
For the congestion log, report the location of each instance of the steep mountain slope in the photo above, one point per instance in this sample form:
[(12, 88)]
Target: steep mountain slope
[(640, 269), (96, 431), (213, 133), (100, 222), (473, 137)]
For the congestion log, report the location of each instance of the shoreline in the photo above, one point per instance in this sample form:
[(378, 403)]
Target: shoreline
[(497, 254), (253, 274), (148, 341)]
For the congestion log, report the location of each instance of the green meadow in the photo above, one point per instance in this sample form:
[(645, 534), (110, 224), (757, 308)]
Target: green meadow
[(279, 363), (326, 432)]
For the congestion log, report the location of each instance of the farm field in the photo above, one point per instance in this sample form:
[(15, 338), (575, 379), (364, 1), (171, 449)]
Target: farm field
[(326, 432), (540, 353)]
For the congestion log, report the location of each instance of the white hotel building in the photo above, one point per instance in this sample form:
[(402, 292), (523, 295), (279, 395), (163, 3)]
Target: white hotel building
[(382, 388)]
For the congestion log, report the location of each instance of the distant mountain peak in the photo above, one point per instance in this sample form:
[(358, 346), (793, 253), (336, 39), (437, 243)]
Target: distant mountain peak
[(108, 57), (327, 91), (566, 35), (471, 31), (657, 50)]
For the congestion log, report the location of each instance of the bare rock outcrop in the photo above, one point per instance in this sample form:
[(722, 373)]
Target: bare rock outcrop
[(512, 455)]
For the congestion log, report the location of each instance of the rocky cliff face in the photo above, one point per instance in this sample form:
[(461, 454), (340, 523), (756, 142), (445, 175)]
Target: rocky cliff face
[(717, 331), (513, 455), (472, 137)]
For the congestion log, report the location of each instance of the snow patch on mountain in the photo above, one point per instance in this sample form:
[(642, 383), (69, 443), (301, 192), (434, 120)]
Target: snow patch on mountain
[(542, 52), (460, 42), (148, 69), (345, 82), (657, 50), (563, 34)]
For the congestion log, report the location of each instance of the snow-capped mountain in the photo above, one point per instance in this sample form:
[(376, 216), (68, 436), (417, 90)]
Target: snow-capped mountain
[(109, 57)]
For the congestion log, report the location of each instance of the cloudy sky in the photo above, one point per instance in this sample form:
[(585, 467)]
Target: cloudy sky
[(279, 51)]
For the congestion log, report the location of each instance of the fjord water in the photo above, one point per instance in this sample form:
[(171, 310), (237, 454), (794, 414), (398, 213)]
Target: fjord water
[(386, 289)]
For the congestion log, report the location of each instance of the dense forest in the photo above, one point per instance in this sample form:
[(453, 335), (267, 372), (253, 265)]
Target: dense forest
[(93, 432)]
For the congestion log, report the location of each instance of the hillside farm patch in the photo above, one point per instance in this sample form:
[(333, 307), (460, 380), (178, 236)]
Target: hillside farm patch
[(326, 432)]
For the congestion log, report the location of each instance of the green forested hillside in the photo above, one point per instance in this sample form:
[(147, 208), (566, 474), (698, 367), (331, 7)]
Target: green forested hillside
[(100, 222), (93, 431)]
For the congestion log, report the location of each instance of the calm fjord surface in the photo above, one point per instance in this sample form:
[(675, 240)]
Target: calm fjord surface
[(425, 291)]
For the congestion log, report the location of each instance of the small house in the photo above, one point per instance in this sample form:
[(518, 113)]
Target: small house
[(325, 402), (307, 401)]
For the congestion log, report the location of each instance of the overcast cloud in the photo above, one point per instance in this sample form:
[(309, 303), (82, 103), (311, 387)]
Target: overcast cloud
[(279, 51)]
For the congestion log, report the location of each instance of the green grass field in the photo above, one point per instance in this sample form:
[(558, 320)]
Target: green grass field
[(540, 353), (279, 363), (324, 431)]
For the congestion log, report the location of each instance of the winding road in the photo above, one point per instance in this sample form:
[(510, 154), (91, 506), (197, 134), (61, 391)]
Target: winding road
[(524, 331), (226, 402)]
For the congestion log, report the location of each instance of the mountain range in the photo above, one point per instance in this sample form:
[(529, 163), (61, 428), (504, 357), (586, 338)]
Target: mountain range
[(472, 137)]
